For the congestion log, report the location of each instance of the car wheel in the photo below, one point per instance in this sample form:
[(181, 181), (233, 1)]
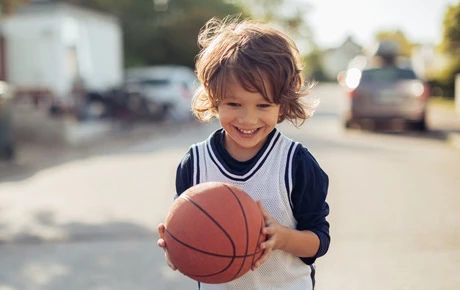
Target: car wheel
[(421, 125), (348, 124)]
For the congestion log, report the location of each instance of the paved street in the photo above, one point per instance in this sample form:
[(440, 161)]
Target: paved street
[(88, 220)]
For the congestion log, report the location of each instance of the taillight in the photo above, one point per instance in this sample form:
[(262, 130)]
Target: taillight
[(420, 90), (351, 94), (426, 92)]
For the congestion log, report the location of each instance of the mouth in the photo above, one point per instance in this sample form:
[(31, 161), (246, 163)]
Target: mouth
[(247, 131)]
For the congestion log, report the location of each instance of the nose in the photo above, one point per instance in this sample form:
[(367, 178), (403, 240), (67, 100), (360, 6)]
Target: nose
[(248, 117)]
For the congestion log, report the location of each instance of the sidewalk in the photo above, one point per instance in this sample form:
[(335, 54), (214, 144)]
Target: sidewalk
[(33, 157), (444, 119)]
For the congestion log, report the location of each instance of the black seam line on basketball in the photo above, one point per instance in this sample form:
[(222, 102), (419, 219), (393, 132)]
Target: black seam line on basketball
[(209, 253), (247, 229), (262, 224), (232, 258), (212, 219)]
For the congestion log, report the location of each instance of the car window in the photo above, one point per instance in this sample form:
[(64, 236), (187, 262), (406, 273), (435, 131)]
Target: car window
[(383, 75)]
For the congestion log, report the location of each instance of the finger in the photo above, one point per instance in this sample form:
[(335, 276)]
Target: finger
[(267, 245), (161, 229), (171, 265), (262, 259), (265, 214), (269, 229), (161, 243)]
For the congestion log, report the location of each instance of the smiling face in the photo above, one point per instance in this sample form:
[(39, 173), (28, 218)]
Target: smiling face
[(247, 118)]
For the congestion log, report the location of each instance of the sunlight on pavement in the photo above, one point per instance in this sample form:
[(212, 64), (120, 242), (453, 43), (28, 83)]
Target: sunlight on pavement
[(92, 191), (43, 273)]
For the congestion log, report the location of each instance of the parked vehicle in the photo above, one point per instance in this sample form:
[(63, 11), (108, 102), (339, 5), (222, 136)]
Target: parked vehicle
[(54, 49), (166, 89), (6, 135), (385, 93)]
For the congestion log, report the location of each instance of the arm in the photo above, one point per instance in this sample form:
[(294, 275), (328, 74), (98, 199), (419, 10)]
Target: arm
[(184, 173), (183, 182), (299, 243), (309, 201)]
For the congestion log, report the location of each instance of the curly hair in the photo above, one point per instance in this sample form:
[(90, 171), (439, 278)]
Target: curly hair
[(260, 58)]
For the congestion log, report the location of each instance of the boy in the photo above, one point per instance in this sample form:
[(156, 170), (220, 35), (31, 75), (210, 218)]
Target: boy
[(250, 81)]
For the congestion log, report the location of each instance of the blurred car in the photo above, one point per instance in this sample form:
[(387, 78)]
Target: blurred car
[(383, 94), (167, 89), (6, 135)]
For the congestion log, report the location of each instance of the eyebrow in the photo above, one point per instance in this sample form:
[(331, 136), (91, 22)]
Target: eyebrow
[(228, 98)]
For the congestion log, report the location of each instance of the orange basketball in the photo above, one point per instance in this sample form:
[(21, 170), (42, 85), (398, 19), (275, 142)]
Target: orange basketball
[(213, 231)]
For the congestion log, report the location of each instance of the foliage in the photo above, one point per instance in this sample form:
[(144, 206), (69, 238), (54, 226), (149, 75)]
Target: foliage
[(450, 44), (451, 30), (445, 80), (313, 67), (290, 15), (398, 37), (159, 31)]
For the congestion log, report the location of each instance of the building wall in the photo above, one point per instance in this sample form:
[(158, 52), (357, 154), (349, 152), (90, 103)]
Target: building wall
[(337, 59)]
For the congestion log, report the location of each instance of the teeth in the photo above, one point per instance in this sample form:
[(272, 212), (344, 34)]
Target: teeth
[(247, 131)]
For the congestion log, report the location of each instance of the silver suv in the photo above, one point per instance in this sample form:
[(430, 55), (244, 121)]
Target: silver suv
[(386, 93), (167, 89)]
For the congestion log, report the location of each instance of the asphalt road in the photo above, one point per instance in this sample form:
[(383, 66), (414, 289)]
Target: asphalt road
[(89, 221)]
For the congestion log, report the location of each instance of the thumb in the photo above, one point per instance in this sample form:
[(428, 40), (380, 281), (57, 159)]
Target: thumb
[(262, 209)]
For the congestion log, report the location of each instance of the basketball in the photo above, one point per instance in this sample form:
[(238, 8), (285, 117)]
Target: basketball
[(213, 232)]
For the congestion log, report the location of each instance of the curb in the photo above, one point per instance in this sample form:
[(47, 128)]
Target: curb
[(454, 140)]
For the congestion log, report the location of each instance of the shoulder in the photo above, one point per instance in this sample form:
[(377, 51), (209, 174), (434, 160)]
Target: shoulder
[(306, 169), (188, 170), (305, 158)]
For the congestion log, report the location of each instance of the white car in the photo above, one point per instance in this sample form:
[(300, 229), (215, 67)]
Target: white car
[(168, 89)]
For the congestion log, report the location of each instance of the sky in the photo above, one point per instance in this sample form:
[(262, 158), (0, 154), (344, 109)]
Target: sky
[(419, 20)]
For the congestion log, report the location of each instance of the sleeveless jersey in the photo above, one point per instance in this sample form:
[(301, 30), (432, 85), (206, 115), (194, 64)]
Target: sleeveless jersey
[(265, 181)]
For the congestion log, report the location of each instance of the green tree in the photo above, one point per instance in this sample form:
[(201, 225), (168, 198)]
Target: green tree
[(290, 15), (398, 37), (178, 27), (451, 31), (314, 70), (161, 31), (450, 44)]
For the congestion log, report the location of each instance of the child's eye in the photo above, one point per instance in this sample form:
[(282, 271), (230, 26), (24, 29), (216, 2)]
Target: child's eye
[(263, 106), (233, 104)]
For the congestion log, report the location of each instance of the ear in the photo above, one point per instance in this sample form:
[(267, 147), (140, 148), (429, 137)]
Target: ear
[(281, 111)]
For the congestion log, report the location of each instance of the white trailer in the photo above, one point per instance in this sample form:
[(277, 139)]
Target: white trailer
[(52, 47), (54, 55)]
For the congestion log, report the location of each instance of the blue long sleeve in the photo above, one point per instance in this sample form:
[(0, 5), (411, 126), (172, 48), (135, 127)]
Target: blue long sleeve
[(309, 199)]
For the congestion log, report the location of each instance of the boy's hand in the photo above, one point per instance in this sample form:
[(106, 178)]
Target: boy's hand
[(272, 229), (162, 244)]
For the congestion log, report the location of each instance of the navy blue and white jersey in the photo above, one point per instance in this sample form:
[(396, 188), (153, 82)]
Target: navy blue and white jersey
[(292, 188)]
